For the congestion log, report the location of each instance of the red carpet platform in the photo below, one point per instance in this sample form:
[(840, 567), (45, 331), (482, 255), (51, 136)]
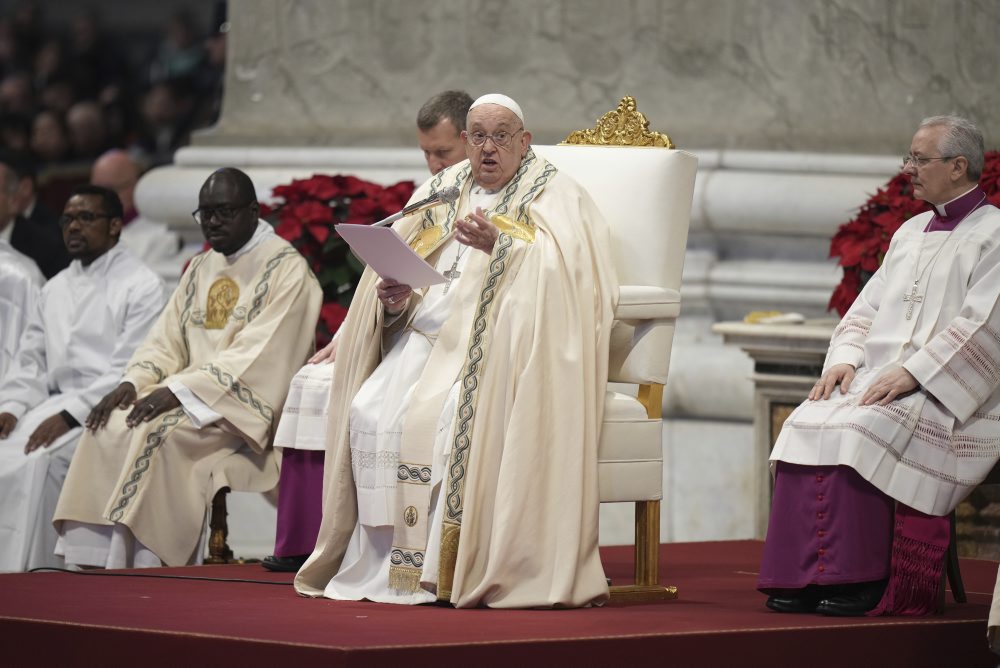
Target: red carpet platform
[(61, 619)]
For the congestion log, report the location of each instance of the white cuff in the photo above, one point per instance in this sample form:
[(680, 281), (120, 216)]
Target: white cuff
[(197, 411)]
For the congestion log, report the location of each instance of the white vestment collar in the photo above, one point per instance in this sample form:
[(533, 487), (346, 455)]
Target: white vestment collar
[(263, 231)]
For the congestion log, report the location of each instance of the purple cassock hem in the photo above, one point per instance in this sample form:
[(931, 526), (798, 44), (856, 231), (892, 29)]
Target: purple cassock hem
[(828, 526), (300, 502)]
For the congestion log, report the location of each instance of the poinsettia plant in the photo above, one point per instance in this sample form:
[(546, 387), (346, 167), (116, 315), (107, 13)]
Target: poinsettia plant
[(861, 243), (305, 212)]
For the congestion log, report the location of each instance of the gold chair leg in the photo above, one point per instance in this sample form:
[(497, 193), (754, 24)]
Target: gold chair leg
[(647, 587), (218, 548)]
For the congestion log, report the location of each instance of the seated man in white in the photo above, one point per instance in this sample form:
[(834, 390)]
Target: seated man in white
[(21, 284), (462, 453), (302, 430), (81, 332), (199, 398)]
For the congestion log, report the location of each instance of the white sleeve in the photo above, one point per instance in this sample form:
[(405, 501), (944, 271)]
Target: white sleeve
[(196, 410)]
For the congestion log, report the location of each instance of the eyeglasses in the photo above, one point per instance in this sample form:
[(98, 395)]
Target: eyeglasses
[(204, 214), (500, 139), (919, 161), (85, 218)]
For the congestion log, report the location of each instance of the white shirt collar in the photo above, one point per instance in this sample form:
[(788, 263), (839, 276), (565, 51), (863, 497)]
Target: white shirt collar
[(264, 231)]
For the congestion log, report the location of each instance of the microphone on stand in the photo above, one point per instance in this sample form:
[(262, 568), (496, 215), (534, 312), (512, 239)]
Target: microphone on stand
[(446, 196)]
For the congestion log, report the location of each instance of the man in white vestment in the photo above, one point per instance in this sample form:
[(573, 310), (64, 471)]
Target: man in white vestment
[(462, 453), (156, 245), (302, 429), (20, 286), (196, 408), (81, 331), (904, 421)]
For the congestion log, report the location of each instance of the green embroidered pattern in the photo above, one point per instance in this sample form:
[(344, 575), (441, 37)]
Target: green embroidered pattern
[(242, 393), (149, 366), (429, 214), (263, 285), (190, 289), (470, 380), (153, 441)]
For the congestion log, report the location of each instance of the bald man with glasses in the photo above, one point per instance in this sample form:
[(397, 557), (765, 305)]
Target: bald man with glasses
[(902, 424), (201, 394)]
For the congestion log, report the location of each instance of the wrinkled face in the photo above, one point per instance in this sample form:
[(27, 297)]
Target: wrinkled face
[(87, 230), (937, 179), (228, 218), (442, 145), (493, 166)]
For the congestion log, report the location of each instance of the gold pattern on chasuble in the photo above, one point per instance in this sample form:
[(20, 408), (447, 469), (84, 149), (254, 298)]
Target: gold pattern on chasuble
[(450, 534), (427, 240), (516, 229), (410, 516), (624, 126), (222, 298)]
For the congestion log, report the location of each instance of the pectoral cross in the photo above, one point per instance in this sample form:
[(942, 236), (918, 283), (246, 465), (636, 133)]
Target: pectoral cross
[(913, 298), (452, 273)]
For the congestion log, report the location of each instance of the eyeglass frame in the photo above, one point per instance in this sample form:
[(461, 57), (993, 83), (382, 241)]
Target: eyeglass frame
[(216, 211), (492, 137), (920, 161), (67, 220)]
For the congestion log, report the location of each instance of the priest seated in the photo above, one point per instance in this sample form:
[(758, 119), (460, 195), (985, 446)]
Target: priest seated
[(199, 396), (462, 453), (80, 332)]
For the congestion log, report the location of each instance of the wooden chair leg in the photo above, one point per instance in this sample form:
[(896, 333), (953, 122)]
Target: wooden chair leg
[(647, 587), (951, 565), (218, 548)]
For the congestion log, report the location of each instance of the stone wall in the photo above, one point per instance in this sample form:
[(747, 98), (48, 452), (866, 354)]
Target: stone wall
[(809, 75)]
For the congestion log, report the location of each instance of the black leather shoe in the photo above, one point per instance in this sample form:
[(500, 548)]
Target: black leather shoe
[(284, 564), (799, 604), (855, 601)]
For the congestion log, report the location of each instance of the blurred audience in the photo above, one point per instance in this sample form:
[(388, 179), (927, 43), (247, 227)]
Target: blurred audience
[(69, 93)]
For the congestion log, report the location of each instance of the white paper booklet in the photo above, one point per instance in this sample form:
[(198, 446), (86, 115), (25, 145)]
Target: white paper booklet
[(389, 256)]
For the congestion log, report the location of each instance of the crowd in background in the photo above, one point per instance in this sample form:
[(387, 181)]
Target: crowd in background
[(67, 96)]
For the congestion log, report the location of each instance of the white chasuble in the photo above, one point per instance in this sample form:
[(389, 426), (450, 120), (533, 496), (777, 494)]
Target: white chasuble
[(85, 326), (495, 500), (930, 448), (234, 332)]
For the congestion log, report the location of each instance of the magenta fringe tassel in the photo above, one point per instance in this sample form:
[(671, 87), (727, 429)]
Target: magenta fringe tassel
[(918, 550)]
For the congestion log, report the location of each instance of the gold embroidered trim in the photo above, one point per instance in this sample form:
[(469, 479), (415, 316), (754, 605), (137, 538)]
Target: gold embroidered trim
[(450, 534), (427, 239), (516, 229), (406, 580)]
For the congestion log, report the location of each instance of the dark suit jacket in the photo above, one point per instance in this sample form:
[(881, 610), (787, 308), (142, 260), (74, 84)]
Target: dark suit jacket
[(40, 238)]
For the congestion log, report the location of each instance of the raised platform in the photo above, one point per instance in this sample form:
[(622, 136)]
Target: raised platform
[(719, 620)]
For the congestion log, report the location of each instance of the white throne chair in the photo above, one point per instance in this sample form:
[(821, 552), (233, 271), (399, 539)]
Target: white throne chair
[(644, 188)]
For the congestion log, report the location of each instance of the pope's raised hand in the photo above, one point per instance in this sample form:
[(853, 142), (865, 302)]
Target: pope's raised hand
[(476, 231)]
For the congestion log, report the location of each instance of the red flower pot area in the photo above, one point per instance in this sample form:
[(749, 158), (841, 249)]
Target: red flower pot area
[(307, 210)]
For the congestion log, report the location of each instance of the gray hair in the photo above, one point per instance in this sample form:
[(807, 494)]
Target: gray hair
[(451, 104), (962, 138)]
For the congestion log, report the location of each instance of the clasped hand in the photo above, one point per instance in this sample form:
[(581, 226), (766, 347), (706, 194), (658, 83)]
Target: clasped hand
[(891, 384)]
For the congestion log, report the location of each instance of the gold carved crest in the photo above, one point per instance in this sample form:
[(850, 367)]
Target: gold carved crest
[(222, 298), (625, 126)]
